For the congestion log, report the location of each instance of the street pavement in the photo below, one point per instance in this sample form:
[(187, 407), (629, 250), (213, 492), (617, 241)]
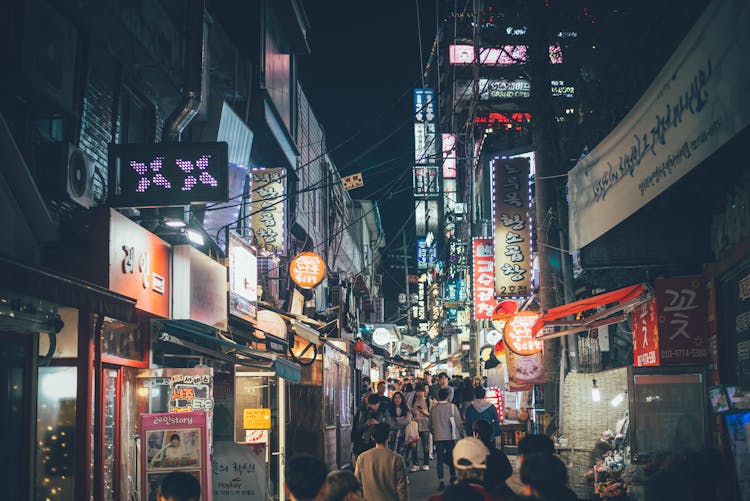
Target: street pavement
[(424, 484)]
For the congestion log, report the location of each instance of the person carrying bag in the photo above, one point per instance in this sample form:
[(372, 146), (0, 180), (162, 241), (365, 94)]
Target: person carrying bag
[(447, 427)]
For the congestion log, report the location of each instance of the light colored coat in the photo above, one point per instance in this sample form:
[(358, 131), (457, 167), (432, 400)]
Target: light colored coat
[(440, 414), (382, 474)]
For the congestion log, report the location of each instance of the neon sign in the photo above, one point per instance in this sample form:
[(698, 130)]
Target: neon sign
[(165, 174)]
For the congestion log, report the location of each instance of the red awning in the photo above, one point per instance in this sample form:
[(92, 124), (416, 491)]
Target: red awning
[(626, 297)]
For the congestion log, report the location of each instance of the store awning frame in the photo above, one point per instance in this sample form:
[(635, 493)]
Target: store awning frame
[(176, 332), (626, 298)]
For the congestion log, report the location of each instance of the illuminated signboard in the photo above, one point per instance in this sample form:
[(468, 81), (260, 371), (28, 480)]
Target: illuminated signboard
[(427, 256), (426, 181), (307, 269), (267, 208), (517, 333), (425, 143), (449, 156), (484, 278), (499, 56), (165, 174), (560, 89), (424, 105), (243, 279), (426, 216), (512, 227)]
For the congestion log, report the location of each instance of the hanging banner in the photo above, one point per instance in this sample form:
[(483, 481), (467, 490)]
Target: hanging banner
[(484, 278), (683, 331), (174, 442), (267, 207), (512, 227), (696, 104), (524, 370), (645, 335)]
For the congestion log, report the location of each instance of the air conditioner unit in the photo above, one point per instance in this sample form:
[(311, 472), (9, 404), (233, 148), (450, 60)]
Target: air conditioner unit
[(65, 174)]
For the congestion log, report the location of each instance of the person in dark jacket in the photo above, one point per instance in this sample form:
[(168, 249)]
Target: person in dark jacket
[(481, 409), (545, 476), (499, 468), (374, 413)]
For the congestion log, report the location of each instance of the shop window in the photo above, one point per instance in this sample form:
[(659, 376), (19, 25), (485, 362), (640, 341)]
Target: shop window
[(66, 341), (56, 424), (122, 340)]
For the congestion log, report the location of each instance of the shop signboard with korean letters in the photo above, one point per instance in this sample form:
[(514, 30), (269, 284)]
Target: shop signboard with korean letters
[(645, 335), (307, 270), (139, 265), (683, 331), (484, 279), (267, 208), (512, 227)]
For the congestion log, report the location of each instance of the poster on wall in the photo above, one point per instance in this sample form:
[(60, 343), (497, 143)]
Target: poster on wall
[(512, 227), (174, 442), (239, 472), (524, 371)]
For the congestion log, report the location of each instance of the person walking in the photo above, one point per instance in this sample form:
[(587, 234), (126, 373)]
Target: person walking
[(420, 411), (479, 408), (370, 416), (499, 468), (447, 427), (400, 417), (442, 384), (382, 472)]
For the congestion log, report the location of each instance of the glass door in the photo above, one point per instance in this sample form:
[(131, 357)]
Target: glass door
[(110, 433)]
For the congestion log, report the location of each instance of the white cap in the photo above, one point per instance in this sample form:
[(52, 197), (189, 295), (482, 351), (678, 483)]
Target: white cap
[(470, 452)]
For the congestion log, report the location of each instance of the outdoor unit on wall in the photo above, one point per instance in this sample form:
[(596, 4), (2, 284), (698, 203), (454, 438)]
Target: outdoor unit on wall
[(65, 174)]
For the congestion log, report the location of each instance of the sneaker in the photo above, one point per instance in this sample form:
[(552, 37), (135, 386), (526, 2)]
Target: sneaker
[(442, 485), (454, 480), (426, 467), (414, 468)]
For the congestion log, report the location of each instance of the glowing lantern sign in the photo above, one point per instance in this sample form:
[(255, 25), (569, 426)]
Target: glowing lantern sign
[(517, 334), (504, 310), (307, 270)]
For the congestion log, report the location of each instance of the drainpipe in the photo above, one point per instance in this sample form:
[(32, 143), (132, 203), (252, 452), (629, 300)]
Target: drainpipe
[(195, 68)]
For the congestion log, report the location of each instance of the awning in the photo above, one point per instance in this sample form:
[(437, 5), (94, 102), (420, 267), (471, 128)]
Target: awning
[(626, 298), (65, 290), (195, 336), (307, 333), (403, 362)]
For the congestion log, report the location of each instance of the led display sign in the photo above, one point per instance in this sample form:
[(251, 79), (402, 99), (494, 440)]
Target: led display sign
[(165, 174), (243, 279), (499, 56)]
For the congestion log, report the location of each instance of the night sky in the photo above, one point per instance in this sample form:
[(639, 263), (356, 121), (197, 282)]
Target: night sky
[(360, 78)]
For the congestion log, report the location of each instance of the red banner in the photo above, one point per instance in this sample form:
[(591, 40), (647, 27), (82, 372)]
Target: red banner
[(484, 278), (645, 335), (681, 306)]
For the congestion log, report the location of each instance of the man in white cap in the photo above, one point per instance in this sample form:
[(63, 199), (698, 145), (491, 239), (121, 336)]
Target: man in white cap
[(470, 460)]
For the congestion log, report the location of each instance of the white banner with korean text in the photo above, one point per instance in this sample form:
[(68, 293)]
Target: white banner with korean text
[(695, 105)]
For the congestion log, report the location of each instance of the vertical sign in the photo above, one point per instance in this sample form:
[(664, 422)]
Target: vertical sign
[(449, 156), (243, 279), (484, 279), (512, 227), (174, 442), (681, 306), (645, 335), (426, 181), (267, 208), (426, 255)]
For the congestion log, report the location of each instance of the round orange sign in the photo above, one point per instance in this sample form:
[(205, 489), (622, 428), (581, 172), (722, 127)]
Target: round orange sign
[(517, 333), (307, 270)]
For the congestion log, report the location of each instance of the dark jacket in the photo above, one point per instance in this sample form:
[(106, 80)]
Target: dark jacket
[(363, 430), (481, 409)]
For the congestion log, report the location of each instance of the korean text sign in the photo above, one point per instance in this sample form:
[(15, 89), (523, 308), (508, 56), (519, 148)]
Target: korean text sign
[(484, 279), (267, 207), (512, 228), (681, 307), (645, 335)]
